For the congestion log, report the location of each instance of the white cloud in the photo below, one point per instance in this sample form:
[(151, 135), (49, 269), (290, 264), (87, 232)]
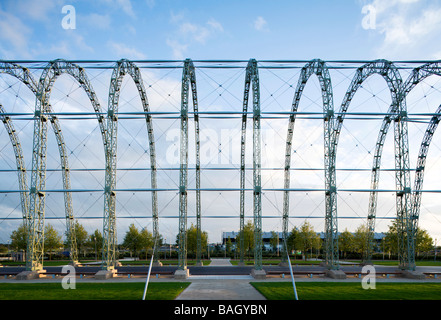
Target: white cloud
[(189, 33), (260, 24), (177, 48), (122, 51), (215, 25), (409, 29), (14, 36), (126, 6)]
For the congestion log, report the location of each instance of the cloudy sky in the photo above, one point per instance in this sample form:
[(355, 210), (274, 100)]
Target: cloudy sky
[(220, 30), (175, 29)]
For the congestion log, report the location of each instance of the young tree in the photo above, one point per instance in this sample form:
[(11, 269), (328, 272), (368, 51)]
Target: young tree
[(95, 242), (146, 240), (228, 246), (192, 240), (81, 237), (19, 238), (293, 241), (423, 242), (132, 240), (346, 242), (274, 241), (361, 241), (307, 238), (248, 236), (52, 240)]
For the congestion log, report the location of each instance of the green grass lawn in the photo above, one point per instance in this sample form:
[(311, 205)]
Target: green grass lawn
[(91, 291), (349, 291)]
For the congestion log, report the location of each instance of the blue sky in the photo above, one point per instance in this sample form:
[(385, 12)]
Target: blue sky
[(222, 30), (175, 29)]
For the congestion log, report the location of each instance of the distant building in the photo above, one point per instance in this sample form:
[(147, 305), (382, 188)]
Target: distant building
[(266, 237)]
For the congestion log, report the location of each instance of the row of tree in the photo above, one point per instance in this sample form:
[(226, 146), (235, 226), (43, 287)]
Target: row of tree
[(303, 239), (307, 241)]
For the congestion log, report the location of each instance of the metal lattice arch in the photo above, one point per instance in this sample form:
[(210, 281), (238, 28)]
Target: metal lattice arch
[(32, 197)]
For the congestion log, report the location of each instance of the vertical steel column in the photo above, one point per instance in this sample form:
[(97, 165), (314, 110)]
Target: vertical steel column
[(20, 163), (242, 164), (257, 194), (182, 236), (392, 77), (318, 68), (188, 80)]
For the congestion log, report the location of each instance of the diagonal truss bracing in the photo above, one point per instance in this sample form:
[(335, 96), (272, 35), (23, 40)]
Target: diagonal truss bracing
[(38, 176), (408, 201), (318, 68), (122, 68), (188, 84)]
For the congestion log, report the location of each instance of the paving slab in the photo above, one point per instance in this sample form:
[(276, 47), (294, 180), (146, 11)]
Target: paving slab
[(220, 289)]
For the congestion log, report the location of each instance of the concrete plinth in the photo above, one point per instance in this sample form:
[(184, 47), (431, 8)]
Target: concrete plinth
[(182, 274), (283, 264), (335, 274), (199, 264), (258, 274), (413, 274), (241, 264), (75, 264), (157, 264), (105, 274), (29, 275)]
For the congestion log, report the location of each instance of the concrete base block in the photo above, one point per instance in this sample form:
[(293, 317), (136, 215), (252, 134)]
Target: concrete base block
[(199, 264), (413, 274), (105, 274), (29, 275), (283, 264), (241, 264), (335, 274), (157, 264), (75, 264), (182, 274), (258, 274)]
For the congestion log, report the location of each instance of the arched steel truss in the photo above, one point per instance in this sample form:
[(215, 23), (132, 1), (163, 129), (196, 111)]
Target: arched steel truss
[(188, 83), (318, 68), (38, 176), (20, 163), (252, 83), (26, 78), (391, 75), (407, 203), (122, 68)]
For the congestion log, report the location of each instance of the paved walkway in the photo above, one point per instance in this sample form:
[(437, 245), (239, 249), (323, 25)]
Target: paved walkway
[(220, 287), (220, 263)]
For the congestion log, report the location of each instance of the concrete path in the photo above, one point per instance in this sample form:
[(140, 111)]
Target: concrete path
[(220, 289), (220, 263)]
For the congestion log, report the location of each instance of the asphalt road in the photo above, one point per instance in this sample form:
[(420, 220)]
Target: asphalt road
[(220, 270)]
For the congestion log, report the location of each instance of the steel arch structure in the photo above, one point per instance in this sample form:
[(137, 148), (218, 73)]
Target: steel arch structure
[(23, 75), (20, 164), (38, 177), (188, 85), (123, 67), (390, 74), (408, 201), (319, 68)]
